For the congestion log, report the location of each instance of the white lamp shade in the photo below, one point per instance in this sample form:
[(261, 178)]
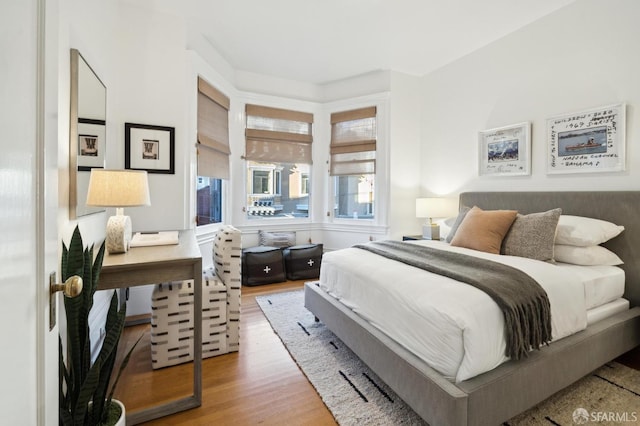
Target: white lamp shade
[(118, 188), (435, 207)]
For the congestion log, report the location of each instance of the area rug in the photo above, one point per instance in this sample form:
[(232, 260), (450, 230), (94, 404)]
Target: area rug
[(356, 396)]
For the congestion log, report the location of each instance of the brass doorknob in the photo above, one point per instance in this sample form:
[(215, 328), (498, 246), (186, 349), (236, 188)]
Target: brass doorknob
[(72, 287)]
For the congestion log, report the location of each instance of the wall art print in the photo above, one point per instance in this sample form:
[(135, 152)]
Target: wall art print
[(150, 148), (504, 151), (587, 141)]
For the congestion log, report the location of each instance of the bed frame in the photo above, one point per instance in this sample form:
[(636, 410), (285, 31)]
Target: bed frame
[(513, 387)]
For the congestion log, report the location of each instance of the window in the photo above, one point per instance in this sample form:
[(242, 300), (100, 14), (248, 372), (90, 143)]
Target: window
[(354, 196), (278, 154), (261, 179), (304, 183), (353, 162), (213, 153), (272, 196)]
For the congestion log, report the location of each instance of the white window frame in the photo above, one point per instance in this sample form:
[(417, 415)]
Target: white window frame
[(379, 223)]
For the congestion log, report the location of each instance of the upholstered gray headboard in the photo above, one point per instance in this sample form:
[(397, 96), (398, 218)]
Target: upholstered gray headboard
[(619, 207)]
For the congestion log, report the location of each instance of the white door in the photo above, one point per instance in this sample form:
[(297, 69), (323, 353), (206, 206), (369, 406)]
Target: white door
[(28, 213)]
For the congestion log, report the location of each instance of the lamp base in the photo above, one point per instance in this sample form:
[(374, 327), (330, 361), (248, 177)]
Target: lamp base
[(118, 234), (431, 232)]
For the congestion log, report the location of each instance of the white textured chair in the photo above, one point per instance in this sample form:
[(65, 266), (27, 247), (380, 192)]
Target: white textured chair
[(172, 307)]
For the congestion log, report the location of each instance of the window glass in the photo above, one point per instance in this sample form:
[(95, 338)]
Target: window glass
[(277, 190), (209, 200), (354, 196)]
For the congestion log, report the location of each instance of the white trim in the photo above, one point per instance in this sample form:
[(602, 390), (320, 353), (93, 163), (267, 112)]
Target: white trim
[(42, 294), (362, 229)]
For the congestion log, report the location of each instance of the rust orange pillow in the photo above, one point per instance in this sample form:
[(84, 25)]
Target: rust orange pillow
[(484, 230)]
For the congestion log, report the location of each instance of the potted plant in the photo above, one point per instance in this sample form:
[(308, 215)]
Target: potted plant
[(85, 396)]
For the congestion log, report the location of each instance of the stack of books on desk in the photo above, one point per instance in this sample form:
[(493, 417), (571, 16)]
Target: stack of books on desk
[(161, 238)]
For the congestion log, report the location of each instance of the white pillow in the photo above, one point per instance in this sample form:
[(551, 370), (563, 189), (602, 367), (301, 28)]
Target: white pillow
[(589, 256), (584, 231), (445, 226)]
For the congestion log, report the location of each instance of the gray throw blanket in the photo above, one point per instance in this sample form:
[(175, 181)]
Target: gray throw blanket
[(524, 303)]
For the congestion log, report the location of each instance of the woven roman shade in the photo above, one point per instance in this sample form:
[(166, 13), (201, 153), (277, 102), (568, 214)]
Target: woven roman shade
[(353, 142), (213, 132), (278, 135)]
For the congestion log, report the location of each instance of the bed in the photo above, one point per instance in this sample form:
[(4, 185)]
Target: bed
[(514, 386)]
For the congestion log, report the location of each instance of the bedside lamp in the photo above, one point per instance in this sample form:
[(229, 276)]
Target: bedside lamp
[(118, 188), (430, 208)]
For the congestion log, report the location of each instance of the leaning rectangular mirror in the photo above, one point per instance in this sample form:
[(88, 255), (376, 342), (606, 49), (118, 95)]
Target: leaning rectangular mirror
[(87, 132)]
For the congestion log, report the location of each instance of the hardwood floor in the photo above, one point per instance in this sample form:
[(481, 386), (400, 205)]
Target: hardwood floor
[(261, 384)]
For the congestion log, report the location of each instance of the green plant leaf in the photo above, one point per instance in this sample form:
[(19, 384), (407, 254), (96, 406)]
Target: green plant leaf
[(107, 356), (124, 364), (74, 262), (82, 382)]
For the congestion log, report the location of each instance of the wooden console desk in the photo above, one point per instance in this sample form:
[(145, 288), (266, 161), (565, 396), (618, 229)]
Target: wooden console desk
[(151, 265)]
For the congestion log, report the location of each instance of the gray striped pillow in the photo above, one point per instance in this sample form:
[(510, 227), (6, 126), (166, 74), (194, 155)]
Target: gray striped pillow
[(280, 239)]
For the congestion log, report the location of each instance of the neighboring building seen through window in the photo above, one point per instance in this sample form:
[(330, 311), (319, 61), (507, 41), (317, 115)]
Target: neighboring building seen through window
[(277, 190), (354, 196), (209, 200)]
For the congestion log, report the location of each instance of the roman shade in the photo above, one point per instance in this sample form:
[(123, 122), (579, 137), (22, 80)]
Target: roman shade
[(213, 132), (278, 135), (353, 142)]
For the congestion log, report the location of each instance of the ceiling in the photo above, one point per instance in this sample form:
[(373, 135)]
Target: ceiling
[(319, 41)]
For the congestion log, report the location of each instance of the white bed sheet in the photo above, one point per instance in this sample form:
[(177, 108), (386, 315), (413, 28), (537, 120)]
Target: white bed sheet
[(457, 329), (602, 284)]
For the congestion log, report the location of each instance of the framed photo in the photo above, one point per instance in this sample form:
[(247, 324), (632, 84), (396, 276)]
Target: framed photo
[(150, 148), (587, 141), (504, 151), (91, 144)]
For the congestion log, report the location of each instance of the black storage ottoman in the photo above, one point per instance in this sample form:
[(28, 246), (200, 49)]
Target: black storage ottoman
[(262, 265), (303, 261)]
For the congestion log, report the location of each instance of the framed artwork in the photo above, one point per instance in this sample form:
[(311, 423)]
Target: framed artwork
[(504, 151), (587, 141), (91, 144), (150, 148)]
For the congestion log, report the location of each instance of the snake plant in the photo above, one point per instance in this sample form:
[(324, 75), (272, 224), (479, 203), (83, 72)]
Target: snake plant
[(84, 384)]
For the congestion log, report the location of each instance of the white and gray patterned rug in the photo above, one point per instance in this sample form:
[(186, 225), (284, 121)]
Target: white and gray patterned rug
[(356, 396)]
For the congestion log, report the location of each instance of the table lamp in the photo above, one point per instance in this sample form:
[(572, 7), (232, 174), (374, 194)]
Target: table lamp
[(118, 188), (430, 208)]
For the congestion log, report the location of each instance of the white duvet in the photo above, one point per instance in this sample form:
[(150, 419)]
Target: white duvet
[(457, 329)]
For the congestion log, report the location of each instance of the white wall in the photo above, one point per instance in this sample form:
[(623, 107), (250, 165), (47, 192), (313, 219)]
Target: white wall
[(404, 155), (582, 56), (78, 28), (151, 89)]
